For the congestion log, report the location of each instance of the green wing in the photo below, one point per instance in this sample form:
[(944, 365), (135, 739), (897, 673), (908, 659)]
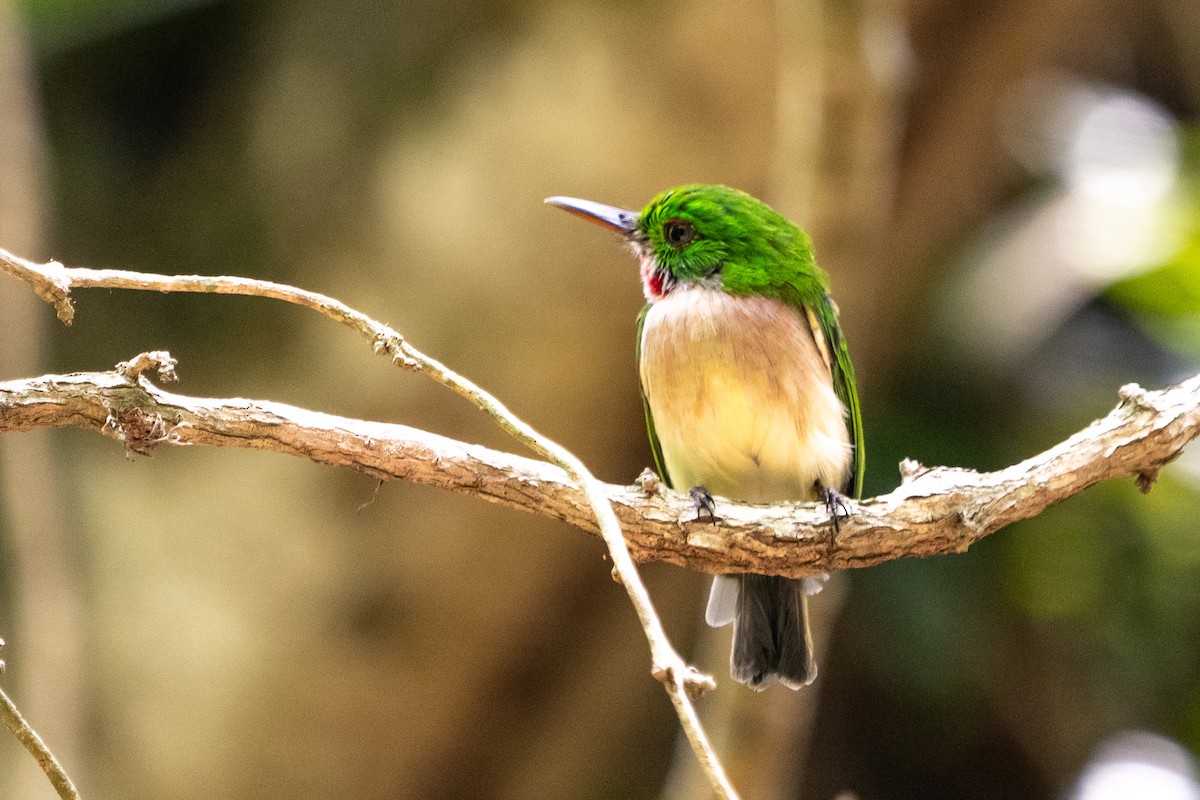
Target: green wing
[(655, 446), (845, 386)]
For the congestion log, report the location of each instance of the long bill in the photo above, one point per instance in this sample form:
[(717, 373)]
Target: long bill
[(616, 219)]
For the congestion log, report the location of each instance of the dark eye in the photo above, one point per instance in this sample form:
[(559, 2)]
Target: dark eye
[(678, 232)]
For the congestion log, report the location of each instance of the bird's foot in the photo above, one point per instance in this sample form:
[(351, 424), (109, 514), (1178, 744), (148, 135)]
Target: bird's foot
[(704, 502), (835, 504)]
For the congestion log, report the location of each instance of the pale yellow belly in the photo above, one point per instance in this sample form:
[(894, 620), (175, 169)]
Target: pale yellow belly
[(742, 400)]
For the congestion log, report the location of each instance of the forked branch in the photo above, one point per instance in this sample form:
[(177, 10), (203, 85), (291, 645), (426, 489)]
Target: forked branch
[(54, 282)]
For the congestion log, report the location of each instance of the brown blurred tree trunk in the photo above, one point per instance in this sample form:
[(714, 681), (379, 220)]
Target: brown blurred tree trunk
[(42, 622)]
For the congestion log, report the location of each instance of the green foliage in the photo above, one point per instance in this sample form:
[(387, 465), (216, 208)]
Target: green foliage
[(59, 24), (1166, 299)]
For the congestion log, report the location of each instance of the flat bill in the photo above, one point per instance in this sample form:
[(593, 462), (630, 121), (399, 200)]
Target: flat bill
[(617, 219)]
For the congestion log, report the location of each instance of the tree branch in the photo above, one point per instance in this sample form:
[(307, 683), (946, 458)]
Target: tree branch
[(34, 744), (938, 510), (28, 737)]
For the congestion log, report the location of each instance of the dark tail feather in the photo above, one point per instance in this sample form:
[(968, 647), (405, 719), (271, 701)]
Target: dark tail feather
[(771, 638)]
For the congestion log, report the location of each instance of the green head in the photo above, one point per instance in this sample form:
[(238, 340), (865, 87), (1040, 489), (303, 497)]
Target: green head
[(715, 236)]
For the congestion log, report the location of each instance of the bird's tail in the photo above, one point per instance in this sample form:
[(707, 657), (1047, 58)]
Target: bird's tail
[(771, 636)]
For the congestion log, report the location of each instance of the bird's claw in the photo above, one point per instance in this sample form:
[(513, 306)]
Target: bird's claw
[(704, 502), (835, 504)]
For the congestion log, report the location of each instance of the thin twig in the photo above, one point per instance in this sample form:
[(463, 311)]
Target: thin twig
[(54, 282), (34, 744)]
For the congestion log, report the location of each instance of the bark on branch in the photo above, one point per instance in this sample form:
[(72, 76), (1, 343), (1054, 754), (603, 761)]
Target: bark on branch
[(937, 510)]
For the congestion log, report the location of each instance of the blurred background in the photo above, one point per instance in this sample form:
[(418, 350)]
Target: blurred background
[(1006, 194)]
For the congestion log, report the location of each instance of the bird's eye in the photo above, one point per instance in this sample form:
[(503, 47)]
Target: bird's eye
[(678, 232)]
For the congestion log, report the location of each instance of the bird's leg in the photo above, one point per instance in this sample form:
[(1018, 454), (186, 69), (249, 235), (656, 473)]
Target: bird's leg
[(704, 502), (835, 504)]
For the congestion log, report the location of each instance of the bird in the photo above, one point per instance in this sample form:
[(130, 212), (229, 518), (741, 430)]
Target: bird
[(747, 386)]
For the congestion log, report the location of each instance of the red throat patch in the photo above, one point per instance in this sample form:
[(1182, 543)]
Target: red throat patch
[(652, 281)]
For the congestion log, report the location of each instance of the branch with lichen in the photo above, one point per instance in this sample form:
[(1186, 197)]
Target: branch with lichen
[(935, 510)]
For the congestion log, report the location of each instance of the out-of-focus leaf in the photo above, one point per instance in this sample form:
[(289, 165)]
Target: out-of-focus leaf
[(58, 25)]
